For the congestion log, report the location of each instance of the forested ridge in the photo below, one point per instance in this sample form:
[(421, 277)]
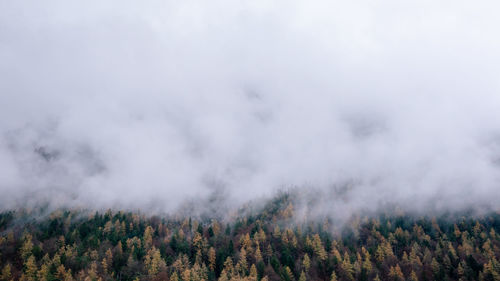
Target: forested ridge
[(266, 245)]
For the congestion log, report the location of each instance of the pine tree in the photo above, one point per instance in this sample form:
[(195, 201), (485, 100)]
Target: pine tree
[(43, 272), (435, 266), (306, 263), (223, 276), (461, 269), (30, 268), (6, 272), (276, 232), (186, 275), (27, 247), (347, 268), (269, 253), (246, 242), (228, 267), (302, 276), (367, 266), (153, 262), (109, 256), (242, 263), (61, 272), (319, 250), (253, 273), (174, 276), (379, 254), (333, 277), (104, 265), (413, 276), (198, 241), (288, 275), (396, 274), (56, 260), (336, 255), (211, 258), (258, 254)]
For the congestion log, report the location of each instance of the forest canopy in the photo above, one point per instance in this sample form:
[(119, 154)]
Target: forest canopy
[(265, 245)]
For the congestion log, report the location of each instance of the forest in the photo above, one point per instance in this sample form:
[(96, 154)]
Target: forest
[(266, 245)]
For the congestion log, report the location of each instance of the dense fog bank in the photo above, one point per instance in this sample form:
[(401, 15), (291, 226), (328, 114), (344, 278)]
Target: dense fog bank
[(148, 106)]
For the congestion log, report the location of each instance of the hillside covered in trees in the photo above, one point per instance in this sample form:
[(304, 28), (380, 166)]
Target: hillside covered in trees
[(267, 245)]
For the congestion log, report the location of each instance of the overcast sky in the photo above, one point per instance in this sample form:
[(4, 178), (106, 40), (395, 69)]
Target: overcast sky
[(133, 104)]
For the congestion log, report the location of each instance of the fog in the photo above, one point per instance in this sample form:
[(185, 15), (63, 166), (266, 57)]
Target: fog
[(151, 104)]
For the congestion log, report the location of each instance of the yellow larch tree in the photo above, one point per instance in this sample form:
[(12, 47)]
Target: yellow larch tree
[(211, 258), (30, 268), (6, 272), (27, 247), (306, 263)]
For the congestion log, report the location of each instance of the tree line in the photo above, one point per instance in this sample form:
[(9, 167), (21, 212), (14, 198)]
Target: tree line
[(267, 245)]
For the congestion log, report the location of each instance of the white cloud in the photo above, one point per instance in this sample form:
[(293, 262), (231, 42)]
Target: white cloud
[(123, 104)]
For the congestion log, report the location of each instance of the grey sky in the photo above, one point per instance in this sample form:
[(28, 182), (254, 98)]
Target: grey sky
[(127, 104)]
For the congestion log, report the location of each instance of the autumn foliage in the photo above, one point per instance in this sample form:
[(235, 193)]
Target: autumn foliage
[(267, 245)]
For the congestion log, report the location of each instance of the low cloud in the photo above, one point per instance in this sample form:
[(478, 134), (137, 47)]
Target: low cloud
[(127, 105)]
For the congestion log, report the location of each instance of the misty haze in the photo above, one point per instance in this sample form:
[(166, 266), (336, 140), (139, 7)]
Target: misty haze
[(169, 140)]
